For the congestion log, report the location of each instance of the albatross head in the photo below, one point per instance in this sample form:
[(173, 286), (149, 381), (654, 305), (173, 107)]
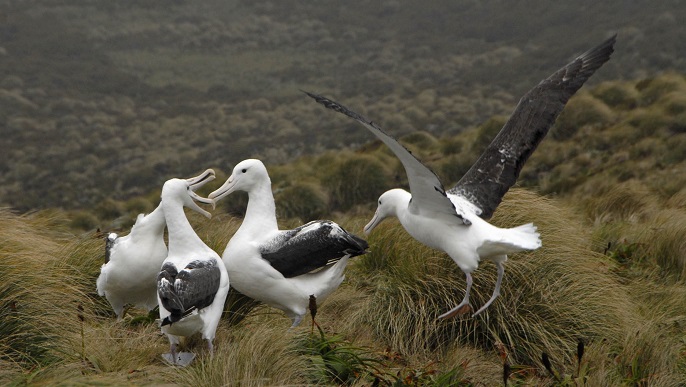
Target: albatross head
[(389, 203), (184, 189), (245, 176)]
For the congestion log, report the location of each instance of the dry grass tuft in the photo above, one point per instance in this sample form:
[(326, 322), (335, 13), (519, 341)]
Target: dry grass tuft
[(262, 352), (37, 303)]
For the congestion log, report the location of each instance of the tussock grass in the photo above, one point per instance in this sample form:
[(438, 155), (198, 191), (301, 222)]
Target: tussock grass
[(665, 242), (630, 201), (260, 353), (629, 312), (656, 246), (35, 298)]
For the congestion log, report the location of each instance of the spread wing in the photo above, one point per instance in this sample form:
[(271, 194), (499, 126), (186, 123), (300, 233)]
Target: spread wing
[(311, 246), (498, 167), (194, 287), (427, 191)]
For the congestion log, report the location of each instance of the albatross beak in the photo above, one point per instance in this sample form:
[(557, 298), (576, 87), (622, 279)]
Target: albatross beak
[(373, 223), (196, 182), (224, 190)]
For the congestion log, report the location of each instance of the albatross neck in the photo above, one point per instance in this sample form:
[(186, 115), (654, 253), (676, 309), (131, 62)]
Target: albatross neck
[(155, 221), (260, 216), (181, 234)]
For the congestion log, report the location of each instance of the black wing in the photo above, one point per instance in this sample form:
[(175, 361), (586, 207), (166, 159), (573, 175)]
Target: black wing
[(192, 288), (109, 243), (311, 246), (498, 167), (427, 191)]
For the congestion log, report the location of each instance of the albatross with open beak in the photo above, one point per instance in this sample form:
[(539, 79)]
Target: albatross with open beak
[(193, 283)]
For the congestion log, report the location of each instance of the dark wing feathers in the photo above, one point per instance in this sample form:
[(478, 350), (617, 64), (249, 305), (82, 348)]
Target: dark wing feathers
[(109, 244), (310, 247), (427, 191), (497, 169), (499, 165), (194, 287)]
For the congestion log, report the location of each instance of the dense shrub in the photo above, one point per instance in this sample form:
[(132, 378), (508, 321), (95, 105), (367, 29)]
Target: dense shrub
[(486, 133), (357, 180), (301, 200), (617, 95), (581, 110)]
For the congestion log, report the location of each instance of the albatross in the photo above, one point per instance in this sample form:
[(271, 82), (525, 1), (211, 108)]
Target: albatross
[(132, 263), (455, 221), (282, 268), (193, 283)]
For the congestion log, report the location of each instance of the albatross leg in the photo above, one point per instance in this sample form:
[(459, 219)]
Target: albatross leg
[(464, 306), (496, 292), (313, 312), (171, 356), (210, 348), (296, 320)]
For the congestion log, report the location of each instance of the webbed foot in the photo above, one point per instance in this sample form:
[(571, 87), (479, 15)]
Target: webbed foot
[(182, 358)]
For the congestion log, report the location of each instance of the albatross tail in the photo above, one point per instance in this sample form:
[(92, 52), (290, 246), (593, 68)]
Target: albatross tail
[(527, 236), (511, 240), (520, 238), (323, 282)]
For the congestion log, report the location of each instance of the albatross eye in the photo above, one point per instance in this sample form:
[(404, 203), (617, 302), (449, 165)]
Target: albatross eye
[(244, 170)]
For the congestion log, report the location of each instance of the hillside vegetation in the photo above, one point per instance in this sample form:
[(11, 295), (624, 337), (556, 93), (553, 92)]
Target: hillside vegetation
[(606, 189), (102, 99)]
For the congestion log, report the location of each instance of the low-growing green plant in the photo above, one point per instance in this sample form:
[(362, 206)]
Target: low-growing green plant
[(335, 360)]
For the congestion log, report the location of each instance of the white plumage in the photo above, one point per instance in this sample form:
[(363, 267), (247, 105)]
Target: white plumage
[(282, 268), (132, 263), (193, 282)]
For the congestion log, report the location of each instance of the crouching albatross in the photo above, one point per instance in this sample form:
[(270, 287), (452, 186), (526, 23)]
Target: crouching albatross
[(133, 261), (282, 268), (454, 221), (192, 284)]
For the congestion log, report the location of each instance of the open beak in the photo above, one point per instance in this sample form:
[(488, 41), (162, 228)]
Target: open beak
[(194, 183), (224, 190)]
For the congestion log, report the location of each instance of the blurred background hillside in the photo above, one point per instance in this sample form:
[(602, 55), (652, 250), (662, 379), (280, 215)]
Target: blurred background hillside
[(101, 101)]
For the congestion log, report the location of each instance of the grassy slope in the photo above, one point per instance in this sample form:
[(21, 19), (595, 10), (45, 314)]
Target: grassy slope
[(610, 272), (387, 309)]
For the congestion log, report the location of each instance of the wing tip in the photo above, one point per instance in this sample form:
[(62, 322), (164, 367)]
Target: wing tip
[(594, 58), (335, 106)]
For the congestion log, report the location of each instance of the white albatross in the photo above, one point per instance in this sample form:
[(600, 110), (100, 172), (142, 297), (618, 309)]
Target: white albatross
[(282, 268), (192, 284), (132, 263), (454, 221)]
